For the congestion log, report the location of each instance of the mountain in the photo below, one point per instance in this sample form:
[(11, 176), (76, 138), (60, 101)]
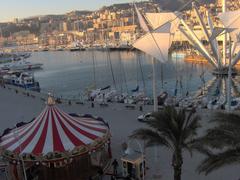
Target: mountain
[(175, 5)]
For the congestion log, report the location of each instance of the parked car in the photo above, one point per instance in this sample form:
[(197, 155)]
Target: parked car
[(144, 117)]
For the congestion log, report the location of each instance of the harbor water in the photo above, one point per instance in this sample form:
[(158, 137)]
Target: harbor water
[(70, 74)]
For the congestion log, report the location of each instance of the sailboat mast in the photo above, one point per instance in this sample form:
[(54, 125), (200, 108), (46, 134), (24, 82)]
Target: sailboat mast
[(111, 68), (140, 65), (94, 69)]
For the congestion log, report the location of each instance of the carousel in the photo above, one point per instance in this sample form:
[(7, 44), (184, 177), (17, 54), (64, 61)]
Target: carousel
[(57, 145)]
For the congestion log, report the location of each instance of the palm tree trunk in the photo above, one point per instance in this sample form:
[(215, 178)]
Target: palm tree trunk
[(177, 165), (177, 172)]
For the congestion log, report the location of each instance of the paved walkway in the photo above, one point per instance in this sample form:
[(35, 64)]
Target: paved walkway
[(16, 107)]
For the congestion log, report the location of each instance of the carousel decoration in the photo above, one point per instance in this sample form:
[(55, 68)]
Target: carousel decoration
[(55, 138)]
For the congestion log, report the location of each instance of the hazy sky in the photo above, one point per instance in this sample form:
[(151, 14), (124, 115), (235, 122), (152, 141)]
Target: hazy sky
[(10, 9)]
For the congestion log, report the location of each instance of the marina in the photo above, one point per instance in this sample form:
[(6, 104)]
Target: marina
[(129, 91)]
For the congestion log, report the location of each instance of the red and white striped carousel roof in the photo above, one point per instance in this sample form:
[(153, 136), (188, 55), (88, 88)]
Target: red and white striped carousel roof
[(53, 131)]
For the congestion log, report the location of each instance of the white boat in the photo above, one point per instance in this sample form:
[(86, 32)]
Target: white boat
[(186, 102), (76, 46), (101, 96), (21, 65), (21, 79), (170, 101), (217, 103), (235, 104)]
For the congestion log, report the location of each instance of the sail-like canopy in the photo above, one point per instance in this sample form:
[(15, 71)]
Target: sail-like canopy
[(158, 42), (154, 44), (55, 131), (231, 19), (158, 19), (141, 20)]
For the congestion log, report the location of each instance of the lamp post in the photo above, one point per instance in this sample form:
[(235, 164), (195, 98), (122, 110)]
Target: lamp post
[(129, 151)]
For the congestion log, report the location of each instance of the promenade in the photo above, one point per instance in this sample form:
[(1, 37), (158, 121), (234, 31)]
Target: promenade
[(16, 107)]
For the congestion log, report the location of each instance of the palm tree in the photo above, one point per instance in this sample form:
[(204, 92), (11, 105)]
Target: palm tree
[(222, 143), (171, 128)]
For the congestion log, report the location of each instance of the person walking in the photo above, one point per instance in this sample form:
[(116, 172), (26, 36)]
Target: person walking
[(115, 166)]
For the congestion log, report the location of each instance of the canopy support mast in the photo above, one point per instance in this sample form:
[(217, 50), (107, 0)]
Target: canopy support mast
[(224, 36), (155, 101)]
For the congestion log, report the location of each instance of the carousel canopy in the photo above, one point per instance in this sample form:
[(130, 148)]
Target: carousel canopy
[(54, 131)]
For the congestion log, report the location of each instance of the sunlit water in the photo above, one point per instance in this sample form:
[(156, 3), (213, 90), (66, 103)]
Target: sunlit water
[(69, 74)]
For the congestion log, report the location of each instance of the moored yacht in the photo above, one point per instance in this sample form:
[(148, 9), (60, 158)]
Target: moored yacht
[(21, 65), (21, 79)]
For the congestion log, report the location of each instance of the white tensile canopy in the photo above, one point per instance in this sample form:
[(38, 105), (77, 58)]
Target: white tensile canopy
[(141, 20), (231, 20), (158, 42), (154, 44), (158, 19)]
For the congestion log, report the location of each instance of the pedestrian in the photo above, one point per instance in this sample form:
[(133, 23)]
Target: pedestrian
[(92, 105), (140, 108), (115, 166)]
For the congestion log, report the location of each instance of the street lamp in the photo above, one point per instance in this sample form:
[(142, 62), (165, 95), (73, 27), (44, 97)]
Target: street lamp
[(129, 151)]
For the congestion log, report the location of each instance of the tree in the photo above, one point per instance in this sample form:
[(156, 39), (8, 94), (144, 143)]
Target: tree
[(222, 143), (171, 128)]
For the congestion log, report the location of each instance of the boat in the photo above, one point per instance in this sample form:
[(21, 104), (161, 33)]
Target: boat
[(161, 98), (195, 58), (9, 57), (235, 104), (21, 55), (76, 46), (60, 48), (21, 65), (21, 79), (217, 103)]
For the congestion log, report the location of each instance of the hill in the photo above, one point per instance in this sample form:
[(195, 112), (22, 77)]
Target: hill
[(174, 5)]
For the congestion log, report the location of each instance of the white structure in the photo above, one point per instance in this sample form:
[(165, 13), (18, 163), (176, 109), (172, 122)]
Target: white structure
[(156, 42), (231, 26)]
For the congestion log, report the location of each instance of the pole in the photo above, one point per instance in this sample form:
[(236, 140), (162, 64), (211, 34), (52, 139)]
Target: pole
[(94, 69), (229, 76), (224, 35), (155, 101)]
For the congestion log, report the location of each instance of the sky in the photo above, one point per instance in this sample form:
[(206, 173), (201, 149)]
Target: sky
[(10, 9)]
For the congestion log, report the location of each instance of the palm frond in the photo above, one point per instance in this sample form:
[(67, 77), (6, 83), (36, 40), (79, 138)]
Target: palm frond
[(150, 137), (214, 162), (221, 136), (226, 118)]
